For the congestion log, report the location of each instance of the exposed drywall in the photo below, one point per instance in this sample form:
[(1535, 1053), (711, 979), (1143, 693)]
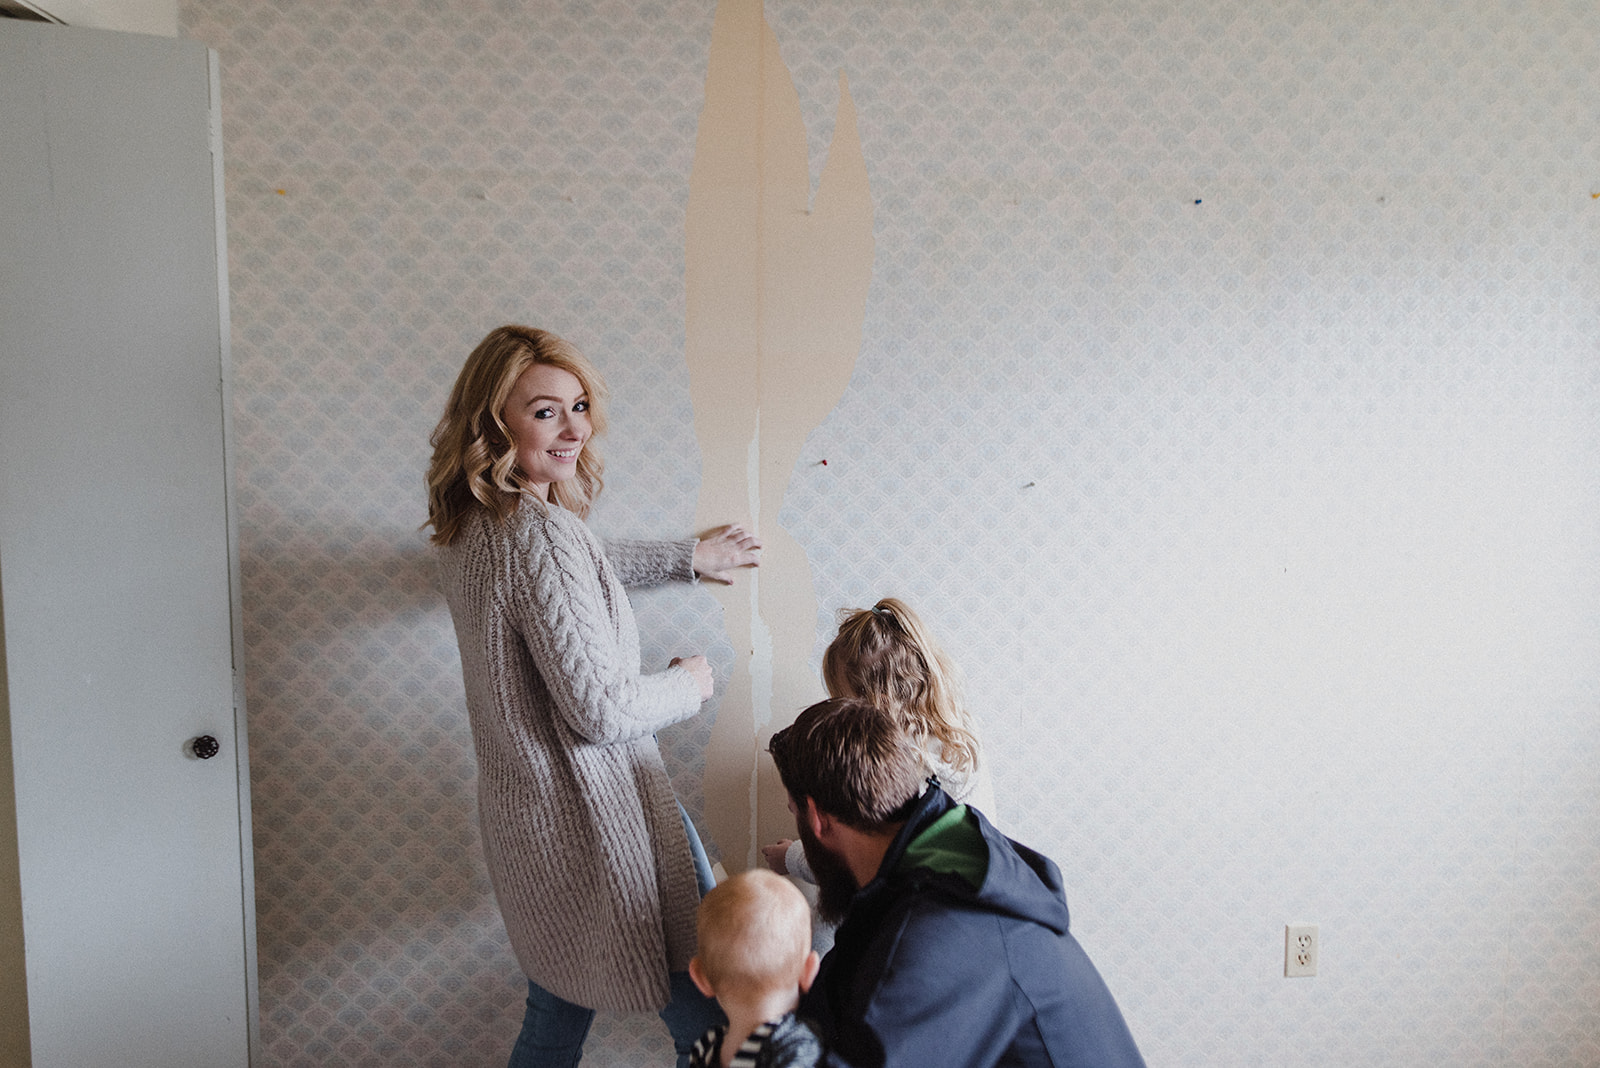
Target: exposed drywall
[(776, 288)]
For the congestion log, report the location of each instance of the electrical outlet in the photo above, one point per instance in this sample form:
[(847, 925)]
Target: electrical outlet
[(1299, 950)]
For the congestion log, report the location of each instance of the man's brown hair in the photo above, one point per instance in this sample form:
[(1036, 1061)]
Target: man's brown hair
[(854, 760)]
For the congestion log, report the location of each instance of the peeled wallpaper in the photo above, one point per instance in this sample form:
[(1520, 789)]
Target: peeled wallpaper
[(1227, 398)]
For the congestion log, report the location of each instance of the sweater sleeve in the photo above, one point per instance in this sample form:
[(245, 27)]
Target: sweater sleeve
[(651, 563), (794, 859), (560, 609)]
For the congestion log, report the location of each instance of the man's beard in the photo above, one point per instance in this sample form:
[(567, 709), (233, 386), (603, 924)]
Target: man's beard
[(836, 886)]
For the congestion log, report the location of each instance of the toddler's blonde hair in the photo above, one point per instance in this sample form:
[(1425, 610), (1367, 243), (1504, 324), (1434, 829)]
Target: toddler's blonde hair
[(754, 931)]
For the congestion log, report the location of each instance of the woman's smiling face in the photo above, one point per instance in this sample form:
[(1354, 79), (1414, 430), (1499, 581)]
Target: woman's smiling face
[(548, 416)]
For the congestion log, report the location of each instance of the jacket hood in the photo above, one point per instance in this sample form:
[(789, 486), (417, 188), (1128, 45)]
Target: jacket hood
[(1017, 881)]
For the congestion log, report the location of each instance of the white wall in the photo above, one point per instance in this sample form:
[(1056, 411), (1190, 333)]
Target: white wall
[(1227, 399)]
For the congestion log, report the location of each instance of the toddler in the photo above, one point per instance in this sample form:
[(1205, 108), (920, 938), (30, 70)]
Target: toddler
[(755, 958)]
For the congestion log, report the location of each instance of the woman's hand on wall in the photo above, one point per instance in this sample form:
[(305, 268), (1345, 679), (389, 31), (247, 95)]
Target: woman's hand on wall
[(724, 550), (698, 668)]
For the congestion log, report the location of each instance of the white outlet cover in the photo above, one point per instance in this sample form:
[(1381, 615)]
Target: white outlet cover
[(1300, 950)]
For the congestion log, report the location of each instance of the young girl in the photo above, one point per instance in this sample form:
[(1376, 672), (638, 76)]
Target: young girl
[(885, 655)]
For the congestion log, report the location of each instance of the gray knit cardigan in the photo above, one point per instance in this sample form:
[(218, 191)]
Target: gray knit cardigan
[(585, 848)]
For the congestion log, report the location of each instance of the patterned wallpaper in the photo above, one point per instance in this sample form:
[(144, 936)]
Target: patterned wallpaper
[(1229, 400)]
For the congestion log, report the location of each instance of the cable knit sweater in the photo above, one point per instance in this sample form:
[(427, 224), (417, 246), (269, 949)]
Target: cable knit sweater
[(581, 833)]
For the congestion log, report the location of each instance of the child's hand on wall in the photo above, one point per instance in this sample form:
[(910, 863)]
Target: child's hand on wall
[(775, 855)]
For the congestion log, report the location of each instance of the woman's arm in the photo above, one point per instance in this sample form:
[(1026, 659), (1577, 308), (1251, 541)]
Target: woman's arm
[(560, 609), (714, 557), (651, 563)]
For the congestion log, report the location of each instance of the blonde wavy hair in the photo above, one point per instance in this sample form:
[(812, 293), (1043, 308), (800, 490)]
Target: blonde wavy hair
[(886, 656), (474, 461)]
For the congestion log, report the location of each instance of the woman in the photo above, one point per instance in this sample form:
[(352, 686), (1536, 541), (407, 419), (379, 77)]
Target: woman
[(593, 863)]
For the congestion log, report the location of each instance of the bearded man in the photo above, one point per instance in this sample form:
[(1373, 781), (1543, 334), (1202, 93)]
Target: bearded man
[(953, 947)]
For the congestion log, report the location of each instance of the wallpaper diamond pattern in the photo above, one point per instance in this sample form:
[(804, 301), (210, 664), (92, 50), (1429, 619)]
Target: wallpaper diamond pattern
[(1228, 399)]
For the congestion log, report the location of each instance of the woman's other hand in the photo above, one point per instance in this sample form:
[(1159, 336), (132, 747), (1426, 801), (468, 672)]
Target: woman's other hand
[(777, 855), (725, 549), (699, 668)]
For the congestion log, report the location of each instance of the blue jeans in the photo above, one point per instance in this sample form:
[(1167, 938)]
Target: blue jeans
[(554, 1029), (697, 850)]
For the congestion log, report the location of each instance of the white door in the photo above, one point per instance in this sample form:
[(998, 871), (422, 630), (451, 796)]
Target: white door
[(116, 555)]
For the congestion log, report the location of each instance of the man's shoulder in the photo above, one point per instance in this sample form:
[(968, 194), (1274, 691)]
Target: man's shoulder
[(929, 909), (927, 919), (919, 919)]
